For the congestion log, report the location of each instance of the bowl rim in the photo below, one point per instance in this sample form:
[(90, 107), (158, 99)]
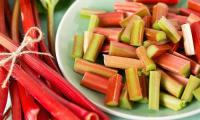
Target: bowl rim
[(103, 108)]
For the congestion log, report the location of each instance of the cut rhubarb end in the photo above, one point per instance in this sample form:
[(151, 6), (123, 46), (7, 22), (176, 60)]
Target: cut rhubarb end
[(192, 18), (142, 54), (92, 116), (155, 35), (188, 39), (154, 89), (81, 66), (88, 35), (169, 29), (174, 64), (77, 46), (122, 50), (113, 90), (154, 51), (179, 78), (171, 102), (94, 47), (122, 62), (133, 84), (196, 93), (88, 12), (171, 85), (192, 84), (161, 36), (94, 22), (124, 102), (95, 82)]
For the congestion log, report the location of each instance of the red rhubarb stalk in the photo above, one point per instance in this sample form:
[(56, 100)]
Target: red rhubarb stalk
[(15, 100), (55, 78), (44, 98), (30, 108), (43, 114), (28, 21), (185, 11), (179, 78), (180, 18)]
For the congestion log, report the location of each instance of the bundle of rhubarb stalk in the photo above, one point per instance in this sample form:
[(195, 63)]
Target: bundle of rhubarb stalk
[(151, 53), (37, 89)]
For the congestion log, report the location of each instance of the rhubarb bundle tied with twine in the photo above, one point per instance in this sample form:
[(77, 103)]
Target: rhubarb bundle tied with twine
[(27, 40)]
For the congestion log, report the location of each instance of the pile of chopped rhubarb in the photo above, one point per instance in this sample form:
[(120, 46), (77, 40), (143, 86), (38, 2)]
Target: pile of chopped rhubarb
[(150, 51)]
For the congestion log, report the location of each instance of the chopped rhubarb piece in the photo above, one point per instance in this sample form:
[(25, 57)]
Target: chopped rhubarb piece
[(126, 34), (88, 12), (187, 12), (128, 6), (95, 82), (137, 32), (122, 50), (144, 85), (194, 5), (154, 89), (192, 84), (169, 29), (155, 35), (195, 67), (188, 39), (192, 18), (124, 101), (113, 90), (180, 18), (171, 85), (88, 36), (15, 100), (143, 11), (94, 47), (147, 21), (179, 78), (175, 23), (171, 102), (196, 93), (133, 84), (154, 51), (148, 62), (147, 43), (125, 21), (122, 62), (174, 64), (112, 34), (94, 22), (82, 66), (156, 1), (77, 46), (110, 19), (159, 10), (195, 27), (29, 107)]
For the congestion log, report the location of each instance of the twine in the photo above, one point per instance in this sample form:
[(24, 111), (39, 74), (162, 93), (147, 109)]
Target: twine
[(19, 51)]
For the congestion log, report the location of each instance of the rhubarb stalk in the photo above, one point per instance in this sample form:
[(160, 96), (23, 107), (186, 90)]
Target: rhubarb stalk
[(194, 5), (77, 46), (192, 18), (50, 6), (124, 99), (155, 35), (154, 51)]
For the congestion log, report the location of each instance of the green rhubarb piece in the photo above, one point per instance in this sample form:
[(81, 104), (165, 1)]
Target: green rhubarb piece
[(126, 34), (94, 22), (171, 85), (171, 102), (196, 93), (77, 50), (146, 43), (169, 29), (143, 12), (156, 26), (125, 21), (160, 36), (94, 47), (151, 51), (88, 12), (133, 84), (148, 62), (137, 32), (124, 99), (154, 89), (192, 84)]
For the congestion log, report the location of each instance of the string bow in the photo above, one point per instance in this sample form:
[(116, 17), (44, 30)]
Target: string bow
[(19, 51)]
